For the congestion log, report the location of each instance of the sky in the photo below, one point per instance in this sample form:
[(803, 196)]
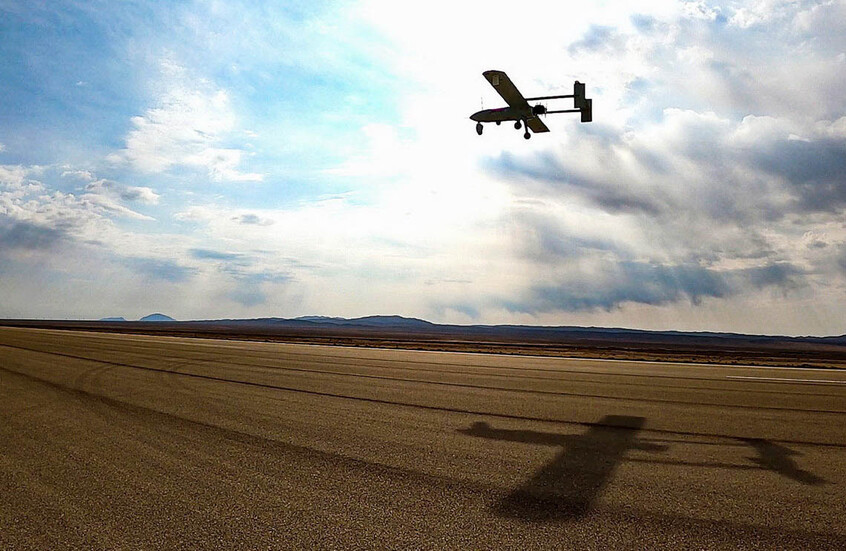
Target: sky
[(225, 159)]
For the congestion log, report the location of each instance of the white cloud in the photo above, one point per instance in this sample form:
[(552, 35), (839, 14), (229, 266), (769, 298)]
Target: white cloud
[(138, 194), (85, 216), (109, 206), (84, 175), (194, 214), (14, 176), (186, 127), (222, 165), (112, 189)]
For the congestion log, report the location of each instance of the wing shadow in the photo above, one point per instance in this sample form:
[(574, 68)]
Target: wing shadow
[(777, 458), (568, 486)]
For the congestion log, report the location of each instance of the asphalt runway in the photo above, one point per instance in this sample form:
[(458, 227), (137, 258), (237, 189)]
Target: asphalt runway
[(137, 442)]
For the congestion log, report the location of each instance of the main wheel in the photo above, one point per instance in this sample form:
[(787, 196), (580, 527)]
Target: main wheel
[(498, 123), (527, 135), (517, 125), (479, 128)]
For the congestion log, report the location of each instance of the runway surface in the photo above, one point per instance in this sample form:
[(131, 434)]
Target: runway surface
[(139, 442)]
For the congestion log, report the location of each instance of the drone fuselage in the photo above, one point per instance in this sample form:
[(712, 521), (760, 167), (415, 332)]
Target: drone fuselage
[(503, 114), (524, 114)]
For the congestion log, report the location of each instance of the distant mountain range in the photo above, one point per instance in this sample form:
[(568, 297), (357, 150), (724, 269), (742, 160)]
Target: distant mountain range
[(157, 317), (398, 325), (151, 317), (368, 321)]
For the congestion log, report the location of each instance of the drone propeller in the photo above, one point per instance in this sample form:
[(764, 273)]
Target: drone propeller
[(583, 105)]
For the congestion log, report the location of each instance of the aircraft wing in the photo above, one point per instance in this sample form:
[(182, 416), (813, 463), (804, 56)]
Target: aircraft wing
[(537, 125), (503, 85)]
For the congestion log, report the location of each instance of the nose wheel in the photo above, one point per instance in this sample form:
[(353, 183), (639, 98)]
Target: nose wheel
[(517, 125), (479, 128), (527, 135)]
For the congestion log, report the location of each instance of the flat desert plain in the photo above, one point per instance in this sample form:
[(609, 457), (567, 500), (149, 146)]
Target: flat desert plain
[(121, 441)]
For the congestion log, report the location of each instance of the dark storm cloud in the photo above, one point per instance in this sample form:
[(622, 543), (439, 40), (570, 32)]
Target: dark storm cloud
[(543, 240), (545, 173), (841, 257), (208, 254), (29, 236), (252, 220), (781, 274), (816, 170), (741, 173), (632, 282), (163, 269), (653, 284)]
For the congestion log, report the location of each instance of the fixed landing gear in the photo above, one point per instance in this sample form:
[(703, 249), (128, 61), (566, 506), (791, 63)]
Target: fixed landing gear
[(518, 125)]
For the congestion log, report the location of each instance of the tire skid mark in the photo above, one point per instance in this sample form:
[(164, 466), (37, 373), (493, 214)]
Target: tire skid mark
[(445, 409), (520, 370), (437, 383), (494, 375)]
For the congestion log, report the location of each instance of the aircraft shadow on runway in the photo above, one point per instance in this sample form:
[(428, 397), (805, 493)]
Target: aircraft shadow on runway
[(777, 458), (568, 486)]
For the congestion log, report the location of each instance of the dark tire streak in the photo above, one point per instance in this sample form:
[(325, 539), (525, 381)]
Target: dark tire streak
[(423, 381), (405, 404)]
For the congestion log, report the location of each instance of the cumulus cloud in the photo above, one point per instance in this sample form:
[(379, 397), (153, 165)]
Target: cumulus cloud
[(34, 217), (610, 285), (26, 200), (134, 194), (28, 236), (108, 195), (841, 257), (188, 126), (252, 219), (700, 215)]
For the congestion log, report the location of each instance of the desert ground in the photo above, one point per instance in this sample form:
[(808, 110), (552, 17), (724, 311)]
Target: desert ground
[(113, 440)]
